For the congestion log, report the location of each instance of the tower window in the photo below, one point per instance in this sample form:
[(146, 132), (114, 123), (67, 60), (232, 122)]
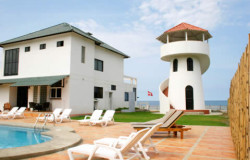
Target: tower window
[(175, 65), (190, 64)]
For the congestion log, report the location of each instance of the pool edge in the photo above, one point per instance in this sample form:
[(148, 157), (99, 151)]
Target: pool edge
[(62, 138)]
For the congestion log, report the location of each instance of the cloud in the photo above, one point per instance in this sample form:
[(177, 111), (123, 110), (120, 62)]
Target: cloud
[(133, 39), (248, 24), (202, 13)]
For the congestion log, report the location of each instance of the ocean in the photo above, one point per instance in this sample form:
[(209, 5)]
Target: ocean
[(210, 104)]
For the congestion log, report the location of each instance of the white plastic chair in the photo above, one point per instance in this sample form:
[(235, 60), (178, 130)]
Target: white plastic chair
[(63, 116), (5, 114), (51, 116), (95, 116), (18, 113), (108, 117), (110, 152), (141, 145)]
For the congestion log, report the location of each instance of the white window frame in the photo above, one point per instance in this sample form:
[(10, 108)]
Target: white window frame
[(56, 88)]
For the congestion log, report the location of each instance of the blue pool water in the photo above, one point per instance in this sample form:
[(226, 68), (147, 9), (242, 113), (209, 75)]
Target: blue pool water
[(11, 137)]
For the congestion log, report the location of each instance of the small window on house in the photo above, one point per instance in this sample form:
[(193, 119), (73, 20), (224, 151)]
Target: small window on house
[(190, 64), (83, 54), (126, 96), (56, 92), (98, 65), (175, 65), (98, 92), (60, 43), (27, 49), (42, 46), (113, 87)]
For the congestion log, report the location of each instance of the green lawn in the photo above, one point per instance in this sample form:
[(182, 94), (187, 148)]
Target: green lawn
[(205, 120)]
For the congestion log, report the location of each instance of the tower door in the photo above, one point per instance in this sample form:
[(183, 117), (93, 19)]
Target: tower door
[(189, 98)]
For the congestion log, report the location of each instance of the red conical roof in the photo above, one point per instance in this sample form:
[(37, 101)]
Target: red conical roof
[(185, 26), (177, 33)]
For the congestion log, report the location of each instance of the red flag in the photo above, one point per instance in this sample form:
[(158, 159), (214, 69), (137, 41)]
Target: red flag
[(150, 93)]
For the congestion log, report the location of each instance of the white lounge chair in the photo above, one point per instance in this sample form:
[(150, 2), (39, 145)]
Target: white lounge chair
[(108, 117), (141, 145), (63, 116), (95, 116), (5, 114), (18, 113), (110, 152), (51, 116)]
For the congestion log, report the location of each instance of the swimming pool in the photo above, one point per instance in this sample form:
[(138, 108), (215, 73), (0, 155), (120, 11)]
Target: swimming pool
[(11, 137)]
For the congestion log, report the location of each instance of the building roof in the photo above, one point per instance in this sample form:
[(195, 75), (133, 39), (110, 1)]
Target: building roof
[(185, 26), (33, 81), (60, 29), (176, 33)]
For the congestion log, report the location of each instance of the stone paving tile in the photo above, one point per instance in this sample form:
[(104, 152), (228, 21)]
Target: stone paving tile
[(214, 153), (200, 143)]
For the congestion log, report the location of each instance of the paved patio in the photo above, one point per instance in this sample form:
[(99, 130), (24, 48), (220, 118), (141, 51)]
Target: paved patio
[(201, 143)]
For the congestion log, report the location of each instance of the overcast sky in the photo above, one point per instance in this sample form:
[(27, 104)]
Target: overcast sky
[(132, 26)]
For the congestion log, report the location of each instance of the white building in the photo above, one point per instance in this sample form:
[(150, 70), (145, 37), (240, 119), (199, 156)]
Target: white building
[(186, 48), (64, 66)]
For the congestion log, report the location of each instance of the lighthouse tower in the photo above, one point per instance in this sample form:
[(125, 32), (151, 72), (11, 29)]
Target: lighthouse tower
[(186, 48)]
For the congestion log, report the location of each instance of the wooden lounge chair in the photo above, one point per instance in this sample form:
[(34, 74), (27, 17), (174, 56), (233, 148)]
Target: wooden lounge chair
[(96, 115), (108, 117), (155, 121), (110, 152), (141, 146), (168, 126)]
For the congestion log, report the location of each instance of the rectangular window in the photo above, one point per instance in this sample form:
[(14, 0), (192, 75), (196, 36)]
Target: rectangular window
[(134, 90), (43, 94), (113, 87), (60, 43), (11, 62), (98, 65), (27, 49), (126, 96), (56, 92), (83, 54), (98, 92), (42, 46)]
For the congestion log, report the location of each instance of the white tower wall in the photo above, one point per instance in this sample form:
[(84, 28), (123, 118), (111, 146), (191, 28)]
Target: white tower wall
[(180, 79)]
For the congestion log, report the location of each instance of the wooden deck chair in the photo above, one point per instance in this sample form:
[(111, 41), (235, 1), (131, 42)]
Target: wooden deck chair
[(108, 117), (96, 115), (110, 152), (64, 116), (6, 114), (160, 120), (169, 125), (142, 146)]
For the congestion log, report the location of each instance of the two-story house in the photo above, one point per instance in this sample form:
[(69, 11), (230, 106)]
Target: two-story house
[(65, 66)]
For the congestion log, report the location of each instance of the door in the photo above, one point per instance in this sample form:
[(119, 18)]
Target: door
[(22, 96), (189, 98)]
